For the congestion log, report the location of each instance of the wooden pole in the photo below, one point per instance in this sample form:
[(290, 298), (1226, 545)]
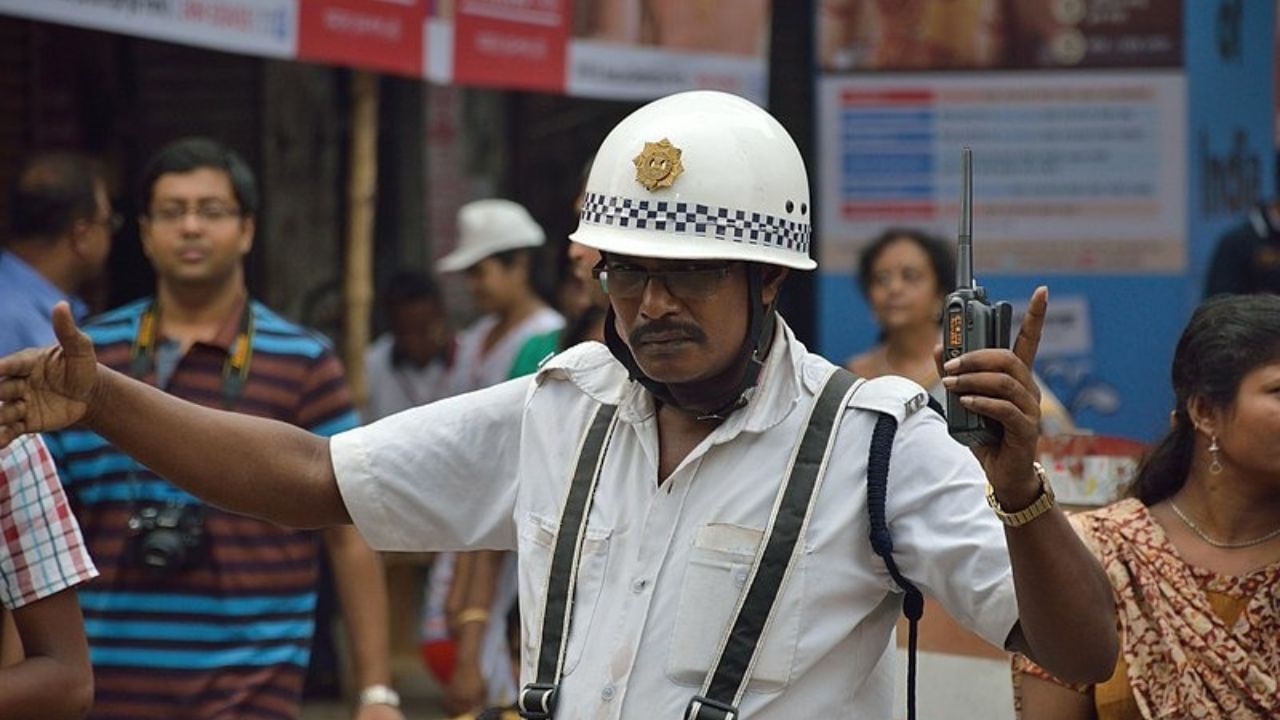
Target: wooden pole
[(362, 188)]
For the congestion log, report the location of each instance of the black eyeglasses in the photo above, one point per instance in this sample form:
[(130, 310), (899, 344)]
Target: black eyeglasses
[(694, 281), (210, 213)]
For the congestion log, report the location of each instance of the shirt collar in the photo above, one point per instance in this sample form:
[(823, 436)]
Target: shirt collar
[(593, 370), (776, 392), (598, 374), (229, 329)]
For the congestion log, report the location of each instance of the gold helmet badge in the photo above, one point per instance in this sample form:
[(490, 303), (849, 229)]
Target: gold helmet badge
[(658, 165)]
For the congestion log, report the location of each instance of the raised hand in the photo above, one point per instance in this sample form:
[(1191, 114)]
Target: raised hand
[(49, 388), (998, 384)]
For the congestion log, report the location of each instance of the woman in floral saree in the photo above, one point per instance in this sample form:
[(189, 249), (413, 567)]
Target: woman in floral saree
[(1194, 555)]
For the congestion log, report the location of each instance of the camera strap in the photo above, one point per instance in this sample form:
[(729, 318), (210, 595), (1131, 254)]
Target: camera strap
[(235, 369)]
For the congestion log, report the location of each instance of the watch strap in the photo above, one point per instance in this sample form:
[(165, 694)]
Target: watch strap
[(1042, 504)]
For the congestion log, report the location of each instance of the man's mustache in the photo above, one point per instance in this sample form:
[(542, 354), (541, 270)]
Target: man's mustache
[(671, 329)]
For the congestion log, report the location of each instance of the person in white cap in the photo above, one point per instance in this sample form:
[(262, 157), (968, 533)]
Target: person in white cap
[(496, 240), (659, 489), (495, 249)]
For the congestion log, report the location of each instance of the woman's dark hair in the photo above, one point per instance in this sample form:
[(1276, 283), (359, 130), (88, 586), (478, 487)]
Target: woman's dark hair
[(941, 254), (194, 153), (508, 258), (1228, 337)]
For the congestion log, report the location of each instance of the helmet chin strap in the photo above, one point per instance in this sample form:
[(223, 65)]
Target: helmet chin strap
[(750, 357)]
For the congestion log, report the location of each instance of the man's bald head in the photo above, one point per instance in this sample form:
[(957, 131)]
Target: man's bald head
[(52, 192)]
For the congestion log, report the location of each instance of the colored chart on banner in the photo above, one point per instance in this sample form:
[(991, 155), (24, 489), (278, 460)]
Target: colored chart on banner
[(377, 34), (620, 49), (1080, 172)]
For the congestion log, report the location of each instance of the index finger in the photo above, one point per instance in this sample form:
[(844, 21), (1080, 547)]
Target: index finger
[(1028, 340)]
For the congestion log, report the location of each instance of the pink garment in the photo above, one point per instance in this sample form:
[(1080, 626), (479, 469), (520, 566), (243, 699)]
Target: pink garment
[(42, 552)]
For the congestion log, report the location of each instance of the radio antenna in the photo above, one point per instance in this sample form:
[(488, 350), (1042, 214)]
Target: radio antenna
[(964, 259)]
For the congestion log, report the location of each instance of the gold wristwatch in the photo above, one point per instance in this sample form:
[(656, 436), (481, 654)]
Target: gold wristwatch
[(1041, 505)]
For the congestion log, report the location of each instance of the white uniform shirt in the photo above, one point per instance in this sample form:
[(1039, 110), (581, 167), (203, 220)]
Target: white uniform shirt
[(663, 565)]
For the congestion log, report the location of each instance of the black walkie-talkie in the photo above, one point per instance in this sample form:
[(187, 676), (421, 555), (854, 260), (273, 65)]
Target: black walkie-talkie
[(971, 323)]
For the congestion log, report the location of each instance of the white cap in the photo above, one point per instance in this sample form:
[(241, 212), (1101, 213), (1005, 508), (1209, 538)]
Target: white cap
[(488, 227), (699, 175)]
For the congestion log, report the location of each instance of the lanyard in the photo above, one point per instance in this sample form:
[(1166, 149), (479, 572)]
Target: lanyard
[(235, 369)]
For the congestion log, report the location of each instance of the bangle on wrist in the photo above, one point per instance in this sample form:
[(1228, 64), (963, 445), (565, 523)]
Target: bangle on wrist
[(379, 695), (471, 615)]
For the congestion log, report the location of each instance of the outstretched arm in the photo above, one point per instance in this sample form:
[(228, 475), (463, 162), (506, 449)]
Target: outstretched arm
[(250, 465), (361, 585), (1065, 606)]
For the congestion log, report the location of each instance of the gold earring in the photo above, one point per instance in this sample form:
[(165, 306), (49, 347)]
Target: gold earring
[(1215, 464)]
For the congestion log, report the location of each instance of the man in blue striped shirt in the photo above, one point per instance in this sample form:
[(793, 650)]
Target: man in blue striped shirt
[(201, 613)]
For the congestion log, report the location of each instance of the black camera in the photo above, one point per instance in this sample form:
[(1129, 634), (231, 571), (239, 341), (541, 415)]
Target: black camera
[(166, 537), (971, 323)]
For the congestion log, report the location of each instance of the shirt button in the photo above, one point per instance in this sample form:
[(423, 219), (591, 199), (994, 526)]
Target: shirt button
[(608, 692), (639, 585)]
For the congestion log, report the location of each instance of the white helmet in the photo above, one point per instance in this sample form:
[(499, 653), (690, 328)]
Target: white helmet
[(699, 175), (488, 227)]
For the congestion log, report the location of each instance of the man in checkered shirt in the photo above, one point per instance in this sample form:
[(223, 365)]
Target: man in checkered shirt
[(42, 556)]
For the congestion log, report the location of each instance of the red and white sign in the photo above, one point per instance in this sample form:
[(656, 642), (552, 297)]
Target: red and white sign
[(377, 34), (626, 50), (254, 27), (511, 43)]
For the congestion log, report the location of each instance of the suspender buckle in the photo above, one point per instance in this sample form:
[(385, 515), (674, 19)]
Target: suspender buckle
[(701, 708), (537, 701)]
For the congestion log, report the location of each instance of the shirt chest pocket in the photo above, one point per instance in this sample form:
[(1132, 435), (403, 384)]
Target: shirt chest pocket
[(536, 546), (714, 580)]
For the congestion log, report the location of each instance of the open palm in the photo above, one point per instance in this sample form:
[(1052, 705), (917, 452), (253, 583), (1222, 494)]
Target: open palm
[(49, 388)]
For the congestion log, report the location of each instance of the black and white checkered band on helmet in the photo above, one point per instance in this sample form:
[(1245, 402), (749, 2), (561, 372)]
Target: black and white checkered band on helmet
[(740, 226)]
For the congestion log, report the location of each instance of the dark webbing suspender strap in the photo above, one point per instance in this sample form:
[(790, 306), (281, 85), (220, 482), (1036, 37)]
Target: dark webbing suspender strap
[(882, 542), (537, 700), (727, 680)]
